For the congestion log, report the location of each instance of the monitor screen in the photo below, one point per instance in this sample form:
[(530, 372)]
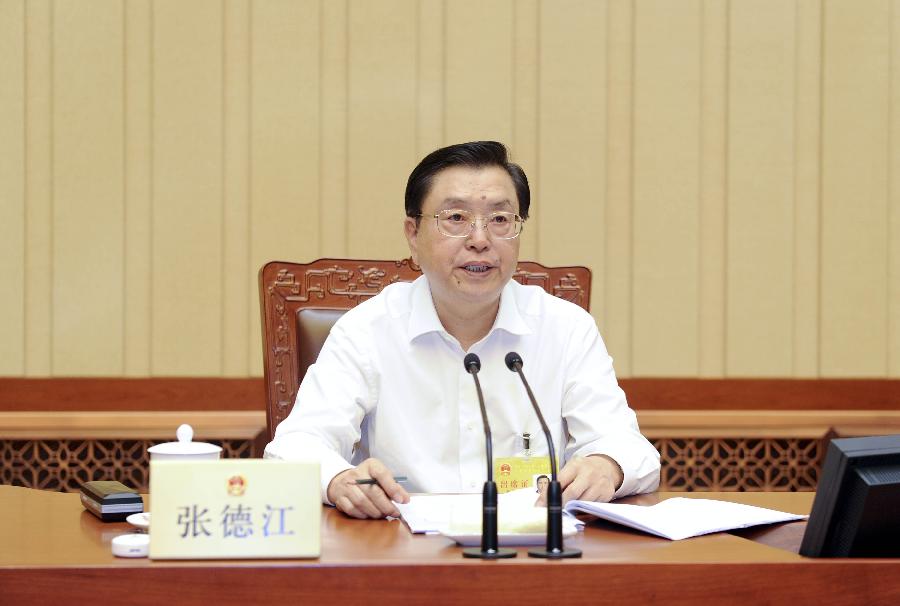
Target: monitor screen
[(856, 511)]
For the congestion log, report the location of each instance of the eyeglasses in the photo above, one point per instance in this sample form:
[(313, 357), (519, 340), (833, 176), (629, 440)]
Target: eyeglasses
[(458, 223)]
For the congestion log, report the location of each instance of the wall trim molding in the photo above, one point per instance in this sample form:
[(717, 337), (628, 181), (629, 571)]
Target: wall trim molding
[(762, 394), (248, 394), (131, 425), (251, 425)]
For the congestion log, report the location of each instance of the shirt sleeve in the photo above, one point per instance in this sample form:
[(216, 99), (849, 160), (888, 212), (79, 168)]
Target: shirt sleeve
[(597, 415), (334, 398)]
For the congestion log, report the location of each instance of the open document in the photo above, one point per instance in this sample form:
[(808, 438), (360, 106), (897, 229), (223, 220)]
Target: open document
[(680, 517), (675, 518)]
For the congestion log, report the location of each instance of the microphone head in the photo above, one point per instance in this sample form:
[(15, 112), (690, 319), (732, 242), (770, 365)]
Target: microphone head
[(472, 363), (514, 361)]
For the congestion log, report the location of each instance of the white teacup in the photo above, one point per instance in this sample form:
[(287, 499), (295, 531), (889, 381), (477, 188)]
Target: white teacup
[(184, 449)]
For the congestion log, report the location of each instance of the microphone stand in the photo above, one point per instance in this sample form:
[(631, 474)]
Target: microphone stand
[(555, 549), (490, 549)]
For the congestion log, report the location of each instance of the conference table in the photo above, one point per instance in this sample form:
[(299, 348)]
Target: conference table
[(53, 551)]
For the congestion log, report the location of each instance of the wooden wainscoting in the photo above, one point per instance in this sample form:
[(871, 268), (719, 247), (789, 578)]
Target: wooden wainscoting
[(752, 450), (57, 433), (54, 450)]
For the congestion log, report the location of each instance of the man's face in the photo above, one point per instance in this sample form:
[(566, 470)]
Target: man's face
[(465, 273)]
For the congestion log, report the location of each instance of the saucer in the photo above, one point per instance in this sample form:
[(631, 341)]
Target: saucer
[(141, 520)]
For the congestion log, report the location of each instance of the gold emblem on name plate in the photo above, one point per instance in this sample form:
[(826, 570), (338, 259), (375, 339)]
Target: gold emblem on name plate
[(237, 485)]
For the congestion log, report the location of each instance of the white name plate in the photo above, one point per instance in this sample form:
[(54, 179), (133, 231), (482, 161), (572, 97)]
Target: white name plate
[(234, 508)]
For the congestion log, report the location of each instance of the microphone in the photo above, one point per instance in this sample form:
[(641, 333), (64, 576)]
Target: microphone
[(490, 549), (555, 549)]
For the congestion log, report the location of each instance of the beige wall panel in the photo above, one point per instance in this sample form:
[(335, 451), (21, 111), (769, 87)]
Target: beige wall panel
[(894, 202), (38, 188), (480, 71), (524, 141), (333, 130), (381, 124), (666, 187), (256, 129), (187, 188), (571, 191), (88, 186), (285, 136), (713, 189), (12, 187), (238, 278), (615, 307), (138, 187), (430, 77), (807, 178), (854, 188), (760, 189)]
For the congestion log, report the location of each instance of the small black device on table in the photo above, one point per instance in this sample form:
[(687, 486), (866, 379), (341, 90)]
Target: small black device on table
[(110, 501)]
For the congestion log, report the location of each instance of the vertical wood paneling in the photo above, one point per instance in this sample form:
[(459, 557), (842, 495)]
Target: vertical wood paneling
[(714, 96), (381, 123), (333, 130), (138, 187), (893, 369), (807, 176), (285, 135), (854, 188), (238, 281), (187, 188), (760, 189), (526, 117), (572, 183), (38, 188), (430, 77), (12, 187), (666, 187), (88, 186), (479, 70), (736, 164), (616, 314)]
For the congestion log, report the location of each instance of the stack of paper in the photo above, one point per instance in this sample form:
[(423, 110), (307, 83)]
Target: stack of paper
[(458, 514)]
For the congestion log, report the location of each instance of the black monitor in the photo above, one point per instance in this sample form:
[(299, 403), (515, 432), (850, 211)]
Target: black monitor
[(856, 512)]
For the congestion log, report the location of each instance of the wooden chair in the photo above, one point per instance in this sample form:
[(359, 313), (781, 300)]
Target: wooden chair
[(300, 302)]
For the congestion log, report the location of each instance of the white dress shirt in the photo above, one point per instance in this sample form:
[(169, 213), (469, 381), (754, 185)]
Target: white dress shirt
[(389, 383)]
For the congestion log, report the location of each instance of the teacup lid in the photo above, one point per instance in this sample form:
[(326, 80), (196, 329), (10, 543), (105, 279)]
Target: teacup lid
[(184, 445)]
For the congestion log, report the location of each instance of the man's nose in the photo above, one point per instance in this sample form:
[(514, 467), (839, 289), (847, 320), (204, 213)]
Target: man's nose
[(479, 239)]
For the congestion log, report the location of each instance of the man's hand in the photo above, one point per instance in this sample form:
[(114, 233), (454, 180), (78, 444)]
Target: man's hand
[(591, 478), (367, 501)]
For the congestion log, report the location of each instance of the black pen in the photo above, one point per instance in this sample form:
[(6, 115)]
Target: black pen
[(370, 481)]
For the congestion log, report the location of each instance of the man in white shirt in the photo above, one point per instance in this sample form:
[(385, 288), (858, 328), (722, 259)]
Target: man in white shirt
[(389, 394)]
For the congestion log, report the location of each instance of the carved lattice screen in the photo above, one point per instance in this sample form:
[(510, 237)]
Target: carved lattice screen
[(63, 465), (740, 464), (708, 464)]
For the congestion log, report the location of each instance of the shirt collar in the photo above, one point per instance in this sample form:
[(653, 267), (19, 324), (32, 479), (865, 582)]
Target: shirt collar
[(509, 316), (423, 316)]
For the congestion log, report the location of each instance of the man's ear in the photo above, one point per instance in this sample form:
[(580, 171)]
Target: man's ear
[(412, 233)]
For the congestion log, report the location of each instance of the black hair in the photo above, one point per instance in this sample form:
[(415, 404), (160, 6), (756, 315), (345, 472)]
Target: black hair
[(476, 154)]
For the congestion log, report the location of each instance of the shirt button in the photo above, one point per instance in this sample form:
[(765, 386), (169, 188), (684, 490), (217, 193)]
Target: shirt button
[(470, 427)]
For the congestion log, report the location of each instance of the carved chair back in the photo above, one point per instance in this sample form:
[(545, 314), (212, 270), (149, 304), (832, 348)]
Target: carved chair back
[(299, 303)]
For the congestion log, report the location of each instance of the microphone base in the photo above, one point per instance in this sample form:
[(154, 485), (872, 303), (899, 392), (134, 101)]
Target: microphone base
[(554, 554), (490, 554)]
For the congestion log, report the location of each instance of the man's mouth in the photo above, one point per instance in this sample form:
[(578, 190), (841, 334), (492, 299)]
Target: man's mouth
[(477, 268)]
